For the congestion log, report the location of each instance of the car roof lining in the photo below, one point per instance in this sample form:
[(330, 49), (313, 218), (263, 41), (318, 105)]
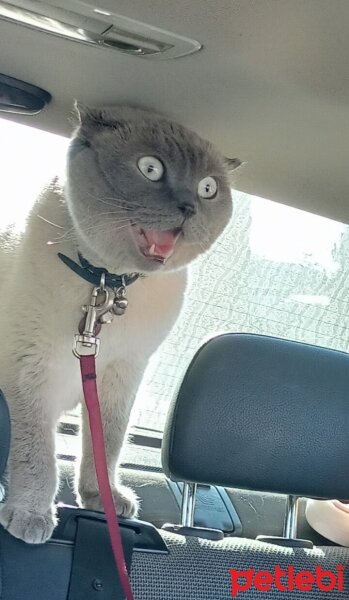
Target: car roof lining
[(270, 86)]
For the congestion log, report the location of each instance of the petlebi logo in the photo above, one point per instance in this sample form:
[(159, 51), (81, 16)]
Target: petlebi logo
[(287, 580)]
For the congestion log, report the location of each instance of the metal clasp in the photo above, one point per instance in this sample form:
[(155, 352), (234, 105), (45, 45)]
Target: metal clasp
[(101, 303), (104, 304), (85, 345)]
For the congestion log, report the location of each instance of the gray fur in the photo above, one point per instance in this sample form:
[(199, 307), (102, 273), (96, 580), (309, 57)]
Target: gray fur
[(102, 168), (104, 197)]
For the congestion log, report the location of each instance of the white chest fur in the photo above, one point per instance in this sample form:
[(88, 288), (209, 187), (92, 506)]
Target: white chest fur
[(43, 308)]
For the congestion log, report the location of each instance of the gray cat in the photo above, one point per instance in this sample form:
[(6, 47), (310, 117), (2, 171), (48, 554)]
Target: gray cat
[(143, 194)]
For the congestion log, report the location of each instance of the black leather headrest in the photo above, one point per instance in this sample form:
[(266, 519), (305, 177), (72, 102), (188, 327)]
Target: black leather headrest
[(4, 433), (262, 413)]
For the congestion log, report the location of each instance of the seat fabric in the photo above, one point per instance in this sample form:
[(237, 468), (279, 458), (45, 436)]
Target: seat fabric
[(200, 569)]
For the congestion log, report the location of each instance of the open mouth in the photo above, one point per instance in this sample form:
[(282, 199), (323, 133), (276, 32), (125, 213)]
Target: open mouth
[(154, 244)]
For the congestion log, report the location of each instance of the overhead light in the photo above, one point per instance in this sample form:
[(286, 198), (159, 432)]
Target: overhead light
[(117, 33)]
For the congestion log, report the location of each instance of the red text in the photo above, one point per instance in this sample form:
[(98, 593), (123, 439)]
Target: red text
[(286, 580)]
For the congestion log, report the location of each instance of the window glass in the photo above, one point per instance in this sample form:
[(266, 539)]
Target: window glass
[(276, 271), (29, 159)]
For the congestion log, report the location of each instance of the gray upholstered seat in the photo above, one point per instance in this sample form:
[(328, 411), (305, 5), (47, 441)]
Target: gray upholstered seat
[(216, 423), (199, 569)]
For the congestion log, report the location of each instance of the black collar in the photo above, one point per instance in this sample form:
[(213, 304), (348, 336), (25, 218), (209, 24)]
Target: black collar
[(93, 274)]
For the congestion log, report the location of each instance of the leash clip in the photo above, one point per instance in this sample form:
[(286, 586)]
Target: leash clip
[(85, 345), (103, 306), (86, 342)]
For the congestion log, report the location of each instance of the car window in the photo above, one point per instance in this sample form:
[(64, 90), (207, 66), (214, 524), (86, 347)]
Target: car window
[(276, 270), (29, 159)]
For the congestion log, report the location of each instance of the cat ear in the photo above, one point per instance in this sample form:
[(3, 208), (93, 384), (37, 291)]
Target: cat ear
[(96, 117), (232, 163), (83, 113)]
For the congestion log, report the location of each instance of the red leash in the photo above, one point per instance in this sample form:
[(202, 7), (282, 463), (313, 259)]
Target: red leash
[(88, 373)]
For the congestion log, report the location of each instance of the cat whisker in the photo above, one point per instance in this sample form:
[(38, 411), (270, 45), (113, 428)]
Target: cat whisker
[(50, 222), (120, 204), (69, 234), (107, 222), (113, 212), (94, 229), (60, 237), (116, 202), (124, 203), (92, 218), (111, 226)]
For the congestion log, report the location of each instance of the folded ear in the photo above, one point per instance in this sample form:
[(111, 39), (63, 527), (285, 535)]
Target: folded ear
[(83, 114), (98, 117), (232, 163)]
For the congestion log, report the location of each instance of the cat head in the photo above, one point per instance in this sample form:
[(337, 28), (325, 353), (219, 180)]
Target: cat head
[(144, 193)]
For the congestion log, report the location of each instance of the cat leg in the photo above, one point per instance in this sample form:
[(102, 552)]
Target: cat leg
[(28, 512), (117, 388)]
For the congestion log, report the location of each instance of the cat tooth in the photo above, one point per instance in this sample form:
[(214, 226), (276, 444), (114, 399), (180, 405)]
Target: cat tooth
[(151, 250)]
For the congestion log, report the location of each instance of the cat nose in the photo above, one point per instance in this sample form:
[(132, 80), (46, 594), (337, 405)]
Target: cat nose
[(188, 209)]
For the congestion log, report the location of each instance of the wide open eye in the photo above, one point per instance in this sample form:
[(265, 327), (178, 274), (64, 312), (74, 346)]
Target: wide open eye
[(151, 167), (207, 187)]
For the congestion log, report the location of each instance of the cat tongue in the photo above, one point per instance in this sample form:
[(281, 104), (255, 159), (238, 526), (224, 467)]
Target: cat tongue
[(161, 243)]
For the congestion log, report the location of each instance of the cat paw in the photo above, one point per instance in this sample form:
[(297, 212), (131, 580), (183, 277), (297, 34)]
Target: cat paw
[(30, 526), (126, 501)]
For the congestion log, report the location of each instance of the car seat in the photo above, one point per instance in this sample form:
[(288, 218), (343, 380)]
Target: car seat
[(252, 411)]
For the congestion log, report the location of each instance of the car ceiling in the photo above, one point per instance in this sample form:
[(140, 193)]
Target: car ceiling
[(270, 86)]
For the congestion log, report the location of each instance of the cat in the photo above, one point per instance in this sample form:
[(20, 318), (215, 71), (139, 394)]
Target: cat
[(144, 195)]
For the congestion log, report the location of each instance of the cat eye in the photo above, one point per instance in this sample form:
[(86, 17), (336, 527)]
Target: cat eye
[(207, 187), (151, 167)]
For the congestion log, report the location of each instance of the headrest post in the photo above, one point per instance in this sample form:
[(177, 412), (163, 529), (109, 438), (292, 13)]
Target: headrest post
[(188, 504), (290, 524), (289, 538)]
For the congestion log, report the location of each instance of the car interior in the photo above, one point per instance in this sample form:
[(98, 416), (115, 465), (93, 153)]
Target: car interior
[(241, 417)]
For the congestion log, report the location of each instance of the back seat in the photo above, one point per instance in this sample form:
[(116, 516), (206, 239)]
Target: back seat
[(253, 412)]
